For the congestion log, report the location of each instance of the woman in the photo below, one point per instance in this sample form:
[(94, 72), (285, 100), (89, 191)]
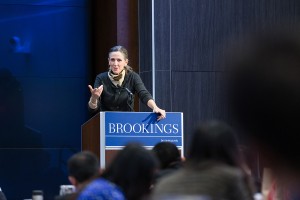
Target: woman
[(114, 90)]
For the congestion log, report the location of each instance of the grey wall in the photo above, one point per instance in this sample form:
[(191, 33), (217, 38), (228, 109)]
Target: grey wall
[(190, 38)]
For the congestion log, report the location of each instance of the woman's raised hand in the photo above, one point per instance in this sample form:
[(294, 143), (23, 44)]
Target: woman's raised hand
[(96, 92)]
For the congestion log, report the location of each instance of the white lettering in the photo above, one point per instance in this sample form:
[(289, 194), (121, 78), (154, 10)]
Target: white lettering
[(167, 130), (119, 127), (159, 128), (168, 140), (175, 127), (112, 128), (129, 128), (143, 128), (139, 128)]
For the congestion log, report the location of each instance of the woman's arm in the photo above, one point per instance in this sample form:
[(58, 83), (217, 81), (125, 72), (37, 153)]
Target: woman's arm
[(162, 113), (146, 97)]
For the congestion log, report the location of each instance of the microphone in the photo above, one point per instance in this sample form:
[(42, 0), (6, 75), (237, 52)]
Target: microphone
[(130, 97), (125, 88)]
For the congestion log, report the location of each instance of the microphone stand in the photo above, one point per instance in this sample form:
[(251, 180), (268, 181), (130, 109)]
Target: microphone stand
[(129, 101), (130, 97)]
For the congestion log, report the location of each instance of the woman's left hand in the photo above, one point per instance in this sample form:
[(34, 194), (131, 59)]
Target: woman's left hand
[(161, 113)]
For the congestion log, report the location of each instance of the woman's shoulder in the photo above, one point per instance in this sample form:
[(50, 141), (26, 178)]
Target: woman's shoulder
[(103, 74), (133, 75)]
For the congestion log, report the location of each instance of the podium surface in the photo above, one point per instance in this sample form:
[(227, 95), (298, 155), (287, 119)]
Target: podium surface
[(108, 132)]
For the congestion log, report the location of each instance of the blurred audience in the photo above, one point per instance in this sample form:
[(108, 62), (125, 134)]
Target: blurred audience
[(265, 97), (83, 167), (133, 170), (169, 158), (130, 175), (84, 173), (213, 169)]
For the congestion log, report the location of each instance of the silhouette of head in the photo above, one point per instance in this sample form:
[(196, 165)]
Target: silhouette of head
[(83, 166), (133, 170), (214, 141), (265, 94), (167, 153)]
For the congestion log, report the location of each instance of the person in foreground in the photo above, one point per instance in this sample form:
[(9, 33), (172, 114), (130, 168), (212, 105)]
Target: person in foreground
[(84, 171), (84, 174), (114, 90), (265, 97), (213, 168), (169, 158), (133, 170)]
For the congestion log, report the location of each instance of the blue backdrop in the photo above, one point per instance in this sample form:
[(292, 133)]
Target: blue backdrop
[(43, 92)]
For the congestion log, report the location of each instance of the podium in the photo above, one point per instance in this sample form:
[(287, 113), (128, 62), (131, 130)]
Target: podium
[(108, 132)]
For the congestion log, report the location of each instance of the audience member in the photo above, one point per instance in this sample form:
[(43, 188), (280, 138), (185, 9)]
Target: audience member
[(84, 170), (133, 170), (265, 92), (84, 175), (213, 167), (169, 158), (83, 167)]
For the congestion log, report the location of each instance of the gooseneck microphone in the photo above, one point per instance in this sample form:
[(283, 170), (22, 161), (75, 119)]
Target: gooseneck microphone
[(125, 88), (130, 96)]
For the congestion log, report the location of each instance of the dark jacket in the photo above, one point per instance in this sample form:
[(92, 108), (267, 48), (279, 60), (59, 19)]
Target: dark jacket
[(208, 179), (115, 98)]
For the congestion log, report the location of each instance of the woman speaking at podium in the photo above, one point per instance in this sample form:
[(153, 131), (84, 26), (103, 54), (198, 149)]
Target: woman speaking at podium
[(114, 90)]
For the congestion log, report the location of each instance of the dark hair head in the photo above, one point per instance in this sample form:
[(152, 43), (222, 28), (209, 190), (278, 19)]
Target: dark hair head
[(119, 49), (214, 141), (83, 166), (265, 93), (133, 170), (167, 153)]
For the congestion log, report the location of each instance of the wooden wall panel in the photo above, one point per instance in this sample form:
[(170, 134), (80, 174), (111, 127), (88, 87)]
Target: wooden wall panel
[(191, 37), (163, 96), (162, 14), (198, 30), (201, 29), (199, 96), (147, 79), (145, 36)]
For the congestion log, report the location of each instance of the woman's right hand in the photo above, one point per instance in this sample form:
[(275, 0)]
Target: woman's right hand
[(96, 92)]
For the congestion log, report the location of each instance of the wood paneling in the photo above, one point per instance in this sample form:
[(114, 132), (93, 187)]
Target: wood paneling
[(103, 34), (90, 135), (199, 96), (145, 36), (162, 14), (147, 79), (191, 39), (113, 22), (164, 90)]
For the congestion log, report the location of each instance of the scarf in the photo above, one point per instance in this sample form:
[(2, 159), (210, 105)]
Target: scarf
[(117, 79)]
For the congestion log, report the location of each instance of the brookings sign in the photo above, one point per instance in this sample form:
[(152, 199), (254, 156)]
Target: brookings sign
[(121, 128)]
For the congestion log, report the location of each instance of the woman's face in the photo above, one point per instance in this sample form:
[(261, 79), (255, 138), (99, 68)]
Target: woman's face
[(117, 62)]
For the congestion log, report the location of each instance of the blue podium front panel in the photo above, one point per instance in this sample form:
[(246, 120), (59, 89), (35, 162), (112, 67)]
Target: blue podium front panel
[(142, 127)]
